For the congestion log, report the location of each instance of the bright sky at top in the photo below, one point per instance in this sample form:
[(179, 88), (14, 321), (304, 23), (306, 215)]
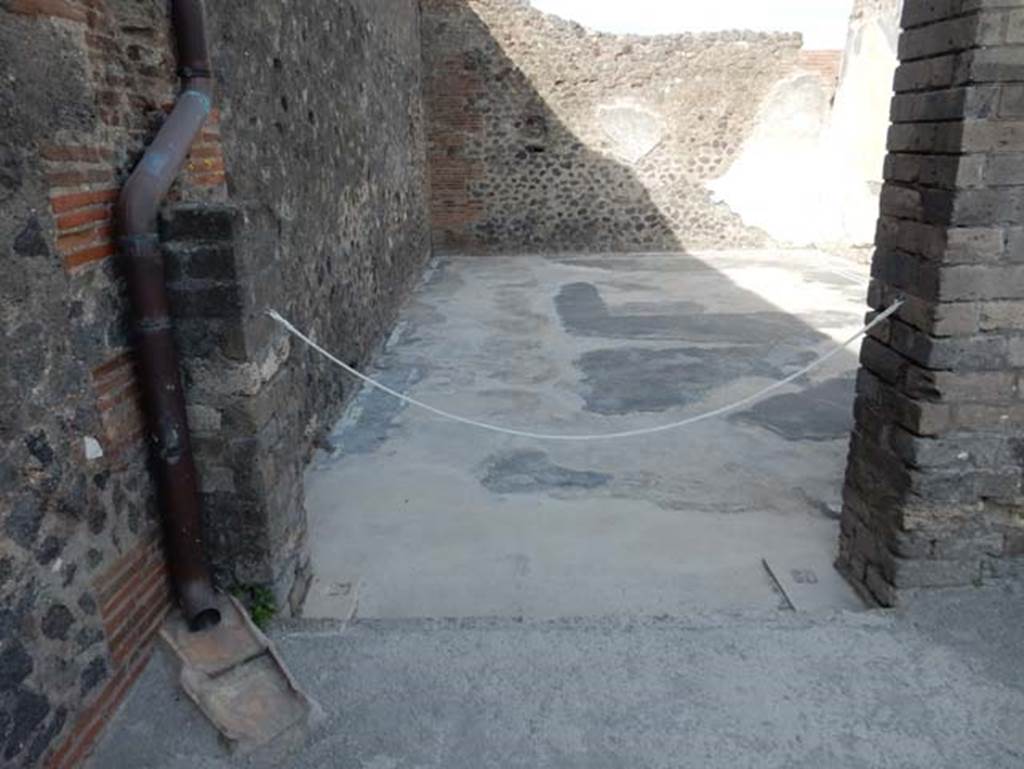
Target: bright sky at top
[(822, 22)]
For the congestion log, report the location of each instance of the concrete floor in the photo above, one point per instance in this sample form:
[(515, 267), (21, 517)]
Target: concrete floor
[(417, 517), (780, 690), (690, 663)]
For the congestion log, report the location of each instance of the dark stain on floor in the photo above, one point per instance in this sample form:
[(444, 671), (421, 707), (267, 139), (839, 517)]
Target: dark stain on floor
[(584, 313), (522, 472), (626, 380), (377, 412), (821, 412)]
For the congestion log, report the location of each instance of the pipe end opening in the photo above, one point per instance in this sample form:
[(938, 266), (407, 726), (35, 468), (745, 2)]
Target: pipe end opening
[(204, 620)]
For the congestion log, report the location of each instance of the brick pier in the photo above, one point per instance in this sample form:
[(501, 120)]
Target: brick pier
[(934, 483)]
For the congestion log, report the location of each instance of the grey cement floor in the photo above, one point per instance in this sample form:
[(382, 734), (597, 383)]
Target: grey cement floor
[(413, 516), (670, 650), (941, 687)]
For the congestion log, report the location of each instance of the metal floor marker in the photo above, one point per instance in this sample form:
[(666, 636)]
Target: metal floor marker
[(332, 599), (234, 675), (810, 583)]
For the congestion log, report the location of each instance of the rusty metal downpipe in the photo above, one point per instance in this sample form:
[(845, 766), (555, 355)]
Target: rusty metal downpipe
[(167, 423)]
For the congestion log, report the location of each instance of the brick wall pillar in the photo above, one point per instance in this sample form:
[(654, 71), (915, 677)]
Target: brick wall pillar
[(933, 495)]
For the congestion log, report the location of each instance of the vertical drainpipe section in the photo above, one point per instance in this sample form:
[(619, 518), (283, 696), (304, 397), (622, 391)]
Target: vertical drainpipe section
[(163, 395)]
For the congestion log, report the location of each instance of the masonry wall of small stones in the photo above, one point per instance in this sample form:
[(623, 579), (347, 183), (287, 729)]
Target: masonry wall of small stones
[(83, 582), (934, 493), (544, 136), (326, 220)]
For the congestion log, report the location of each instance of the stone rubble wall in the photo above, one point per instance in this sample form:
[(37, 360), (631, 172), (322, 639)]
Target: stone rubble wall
[(83, 582), (304, 192), (544, 136)]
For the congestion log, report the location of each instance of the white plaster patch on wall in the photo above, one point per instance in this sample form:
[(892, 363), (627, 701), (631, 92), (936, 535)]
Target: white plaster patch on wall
[(860, 117), (633, 130), (775, 182), (218, 376), (93, 450), (810, 174)]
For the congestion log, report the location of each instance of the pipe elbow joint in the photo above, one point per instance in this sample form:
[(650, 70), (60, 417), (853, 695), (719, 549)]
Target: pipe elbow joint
[(137, 208)]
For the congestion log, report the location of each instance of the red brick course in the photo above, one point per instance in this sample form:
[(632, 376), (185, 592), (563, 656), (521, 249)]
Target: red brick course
[(828, 64), (62, 9), (450, 89), (134, 596)]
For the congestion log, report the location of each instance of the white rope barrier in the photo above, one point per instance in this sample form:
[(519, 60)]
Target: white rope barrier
[(722, 410)]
